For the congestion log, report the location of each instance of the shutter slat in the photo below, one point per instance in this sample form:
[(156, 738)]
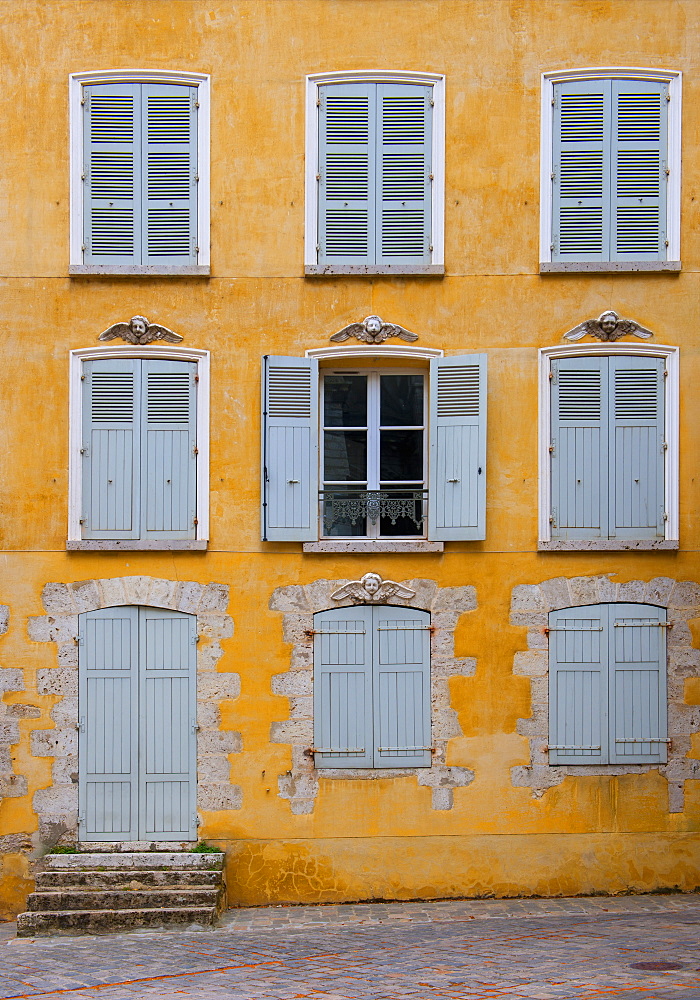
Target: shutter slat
[(457, 471)]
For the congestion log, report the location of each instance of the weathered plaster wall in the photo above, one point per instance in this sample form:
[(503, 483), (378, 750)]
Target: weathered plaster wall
[(363, 838)]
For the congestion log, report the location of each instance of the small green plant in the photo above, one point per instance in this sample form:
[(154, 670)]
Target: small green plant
[(203, 848), (64, 850)]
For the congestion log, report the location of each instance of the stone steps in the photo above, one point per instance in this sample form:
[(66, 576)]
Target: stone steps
[(97, 892)]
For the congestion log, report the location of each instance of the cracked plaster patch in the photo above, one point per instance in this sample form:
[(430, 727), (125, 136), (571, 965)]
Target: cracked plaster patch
[(299, 604), (530, 606), (57, 806)]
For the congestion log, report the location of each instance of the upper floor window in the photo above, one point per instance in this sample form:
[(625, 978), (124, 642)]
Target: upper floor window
[(611, 170), (610, 432), (398, 453), (375, 186), (139, 186), (138, 450)]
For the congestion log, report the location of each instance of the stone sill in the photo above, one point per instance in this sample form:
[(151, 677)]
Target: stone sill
[(599, 266), (186, 270), (370, 773), (418, 270), (137, 544), (133, 847), (608, 545), (373, 545)]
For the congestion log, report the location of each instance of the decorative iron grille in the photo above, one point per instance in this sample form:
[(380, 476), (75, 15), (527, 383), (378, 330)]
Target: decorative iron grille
[(351, 506)]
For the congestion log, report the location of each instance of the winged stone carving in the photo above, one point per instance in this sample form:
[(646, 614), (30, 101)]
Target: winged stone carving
[(373, 330), (139, 331), (372, 588), (608, 326)]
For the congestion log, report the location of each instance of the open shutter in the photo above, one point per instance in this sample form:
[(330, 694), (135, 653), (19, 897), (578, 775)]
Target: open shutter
[(112, 174), (457, 473), (401, 687), (290, 449), (168, 433), (579, 456), (108, 736), (169, 138), (637, 684), (639, 160), (111, 448), (578, 685), (168, 716), (637, 447), (403, 166), (343, 687), (347, 164), (581, 171)]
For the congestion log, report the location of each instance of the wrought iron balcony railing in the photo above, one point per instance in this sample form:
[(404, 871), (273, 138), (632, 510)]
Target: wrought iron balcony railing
[(350, 506)]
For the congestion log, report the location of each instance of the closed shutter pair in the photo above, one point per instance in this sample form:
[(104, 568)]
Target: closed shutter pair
[(138, 450), (457, 449)]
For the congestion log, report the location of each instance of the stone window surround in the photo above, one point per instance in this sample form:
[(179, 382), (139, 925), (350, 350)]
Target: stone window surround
[(530, 606), (299, 603), (57, 805)]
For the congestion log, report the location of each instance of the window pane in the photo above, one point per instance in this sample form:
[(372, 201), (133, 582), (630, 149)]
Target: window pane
[(344, 512), (401, 455), (345, 456), (401, 400), (345, 401)]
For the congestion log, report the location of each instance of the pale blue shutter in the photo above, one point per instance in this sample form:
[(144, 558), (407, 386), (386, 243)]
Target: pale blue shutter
[(401, 680), (169, 141), (457, 463), (110, 449), (108, 730), (579, 448), (112, 174), (168, 433), (636, 388), (639, 160), (343, 726), (581, 171), (578, 685), (637, 684), (347, 165), (290, 449), (168, 716), (403, 165)]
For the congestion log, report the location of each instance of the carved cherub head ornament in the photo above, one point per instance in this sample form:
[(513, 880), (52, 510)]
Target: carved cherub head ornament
[(372, 588), (608, 326), (373, 330), (139, 331)]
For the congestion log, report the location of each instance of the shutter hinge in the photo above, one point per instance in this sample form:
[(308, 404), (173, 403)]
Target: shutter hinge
[(84, 246), (665, 372), (195, 450), (552, 175), (196, 104), (667, 171), (551, 375), (82, 177), (665, 243), (665, 445), (196, 378), (196, 249), (665, 516), (551, 449), (82, 100), (551, 246), (431, 177), (318, 247), (195, 520), (430, 246), (81, 819), (318, 177), (196, 177), (83, 520), (82, 378), (83, 451), (668, 96), (432, 103), (318, 102)]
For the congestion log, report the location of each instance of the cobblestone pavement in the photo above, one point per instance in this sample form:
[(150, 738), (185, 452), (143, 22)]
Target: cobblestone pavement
[(457, 950)]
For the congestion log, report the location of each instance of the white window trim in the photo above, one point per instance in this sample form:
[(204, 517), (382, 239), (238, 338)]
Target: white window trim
[(76, 83), (75, 484), (672, 432), (673, 201), (379, 351), (313, 83)]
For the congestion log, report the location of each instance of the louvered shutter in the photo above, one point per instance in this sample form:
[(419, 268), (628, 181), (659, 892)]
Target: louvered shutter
[(639, 159), (401, 681), (168, 436), (457, 472), (579, 455), (343, 726), (581, 197), (347, 168), (111, 449), (637, 684), (112, 173), (108, 732), (578, 686), (169, 139), (403, 166), (168, 715), (636, 388), (290, 449)]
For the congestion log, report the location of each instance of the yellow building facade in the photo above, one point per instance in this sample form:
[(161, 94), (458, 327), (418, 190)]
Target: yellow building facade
[(491, 807)]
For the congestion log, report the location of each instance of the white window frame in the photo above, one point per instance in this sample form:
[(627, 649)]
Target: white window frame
[(75, 479), (673, 201), (76, 83), (313, 83), (671, 454)]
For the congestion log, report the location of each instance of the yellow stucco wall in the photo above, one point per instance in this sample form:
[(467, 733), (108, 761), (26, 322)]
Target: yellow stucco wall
[(364, 838)]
